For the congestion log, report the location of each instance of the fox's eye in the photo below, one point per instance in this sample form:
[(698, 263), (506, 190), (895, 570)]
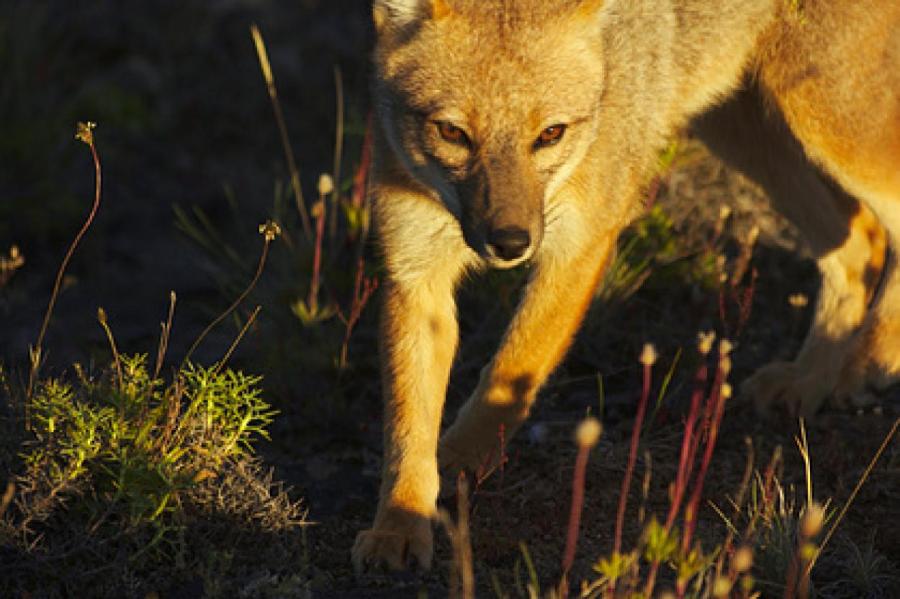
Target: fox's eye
[(550, 136), (452, 133)]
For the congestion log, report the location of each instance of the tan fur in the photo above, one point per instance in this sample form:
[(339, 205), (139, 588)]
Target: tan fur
[(803, 97)]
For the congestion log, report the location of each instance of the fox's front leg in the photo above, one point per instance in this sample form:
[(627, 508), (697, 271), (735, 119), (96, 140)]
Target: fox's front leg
[(418, 341), (567, 270)]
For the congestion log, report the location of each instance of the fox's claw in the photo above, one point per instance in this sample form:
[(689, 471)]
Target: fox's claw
[(789, 385), (399, 543)]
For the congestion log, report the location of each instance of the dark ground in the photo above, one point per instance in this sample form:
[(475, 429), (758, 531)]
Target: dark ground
[(184, 121)]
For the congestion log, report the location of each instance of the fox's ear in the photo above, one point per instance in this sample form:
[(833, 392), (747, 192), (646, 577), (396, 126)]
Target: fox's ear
[(400, 13)]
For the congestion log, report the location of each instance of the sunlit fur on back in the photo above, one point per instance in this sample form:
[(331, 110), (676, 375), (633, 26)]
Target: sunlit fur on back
[(514, 131)]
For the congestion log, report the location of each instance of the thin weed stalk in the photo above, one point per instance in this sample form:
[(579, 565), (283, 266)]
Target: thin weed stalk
[(269, 230), (326, 185), (84, 133), (250, 320)]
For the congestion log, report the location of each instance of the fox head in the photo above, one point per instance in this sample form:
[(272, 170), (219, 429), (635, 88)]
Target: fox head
[(491, 104)]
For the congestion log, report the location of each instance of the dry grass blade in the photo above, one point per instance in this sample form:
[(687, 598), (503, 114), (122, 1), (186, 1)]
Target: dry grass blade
[(101, 318), (266, 69), (849, 502), (462, 577), (338, 152), (164, 335), (7, 498)]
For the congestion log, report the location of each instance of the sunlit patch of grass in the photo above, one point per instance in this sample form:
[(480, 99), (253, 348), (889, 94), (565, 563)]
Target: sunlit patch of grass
[(138, 442)]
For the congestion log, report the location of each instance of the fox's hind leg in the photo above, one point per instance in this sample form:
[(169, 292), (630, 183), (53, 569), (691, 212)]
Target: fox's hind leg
[(873, 361), (838, 86), (844, 235)]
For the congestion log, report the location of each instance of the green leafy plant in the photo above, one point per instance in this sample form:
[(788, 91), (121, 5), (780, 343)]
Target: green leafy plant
[(139, 442)]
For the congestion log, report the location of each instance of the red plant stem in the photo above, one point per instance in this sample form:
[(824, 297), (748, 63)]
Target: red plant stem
[(790, 585), (705, 425), (723, 312), (313, 301), (501, 434), (716, 403), (688, 447), (632, 457), (577, 504), (629, 469), (743, 301), (685, 464), (747, 302), (363, 288), (652, 193), (358, 196)]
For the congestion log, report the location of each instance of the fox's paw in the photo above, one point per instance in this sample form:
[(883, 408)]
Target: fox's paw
[(868, 372), (452, 460), (799, 390), (399, 541), (479, 456), (477, 440)]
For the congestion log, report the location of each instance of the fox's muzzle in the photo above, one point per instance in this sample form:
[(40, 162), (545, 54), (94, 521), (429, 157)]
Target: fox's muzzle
[(502, 213)]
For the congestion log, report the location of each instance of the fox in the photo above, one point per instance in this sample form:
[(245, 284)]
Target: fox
[(526, 131)]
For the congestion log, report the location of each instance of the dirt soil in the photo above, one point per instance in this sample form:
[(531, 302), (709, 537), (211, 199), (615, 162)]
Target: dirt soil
[(184, 120)]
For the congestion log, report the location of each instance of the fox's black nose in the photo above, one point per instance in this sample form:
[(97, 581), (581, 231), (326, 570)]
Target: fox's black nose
[(509, 243)]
